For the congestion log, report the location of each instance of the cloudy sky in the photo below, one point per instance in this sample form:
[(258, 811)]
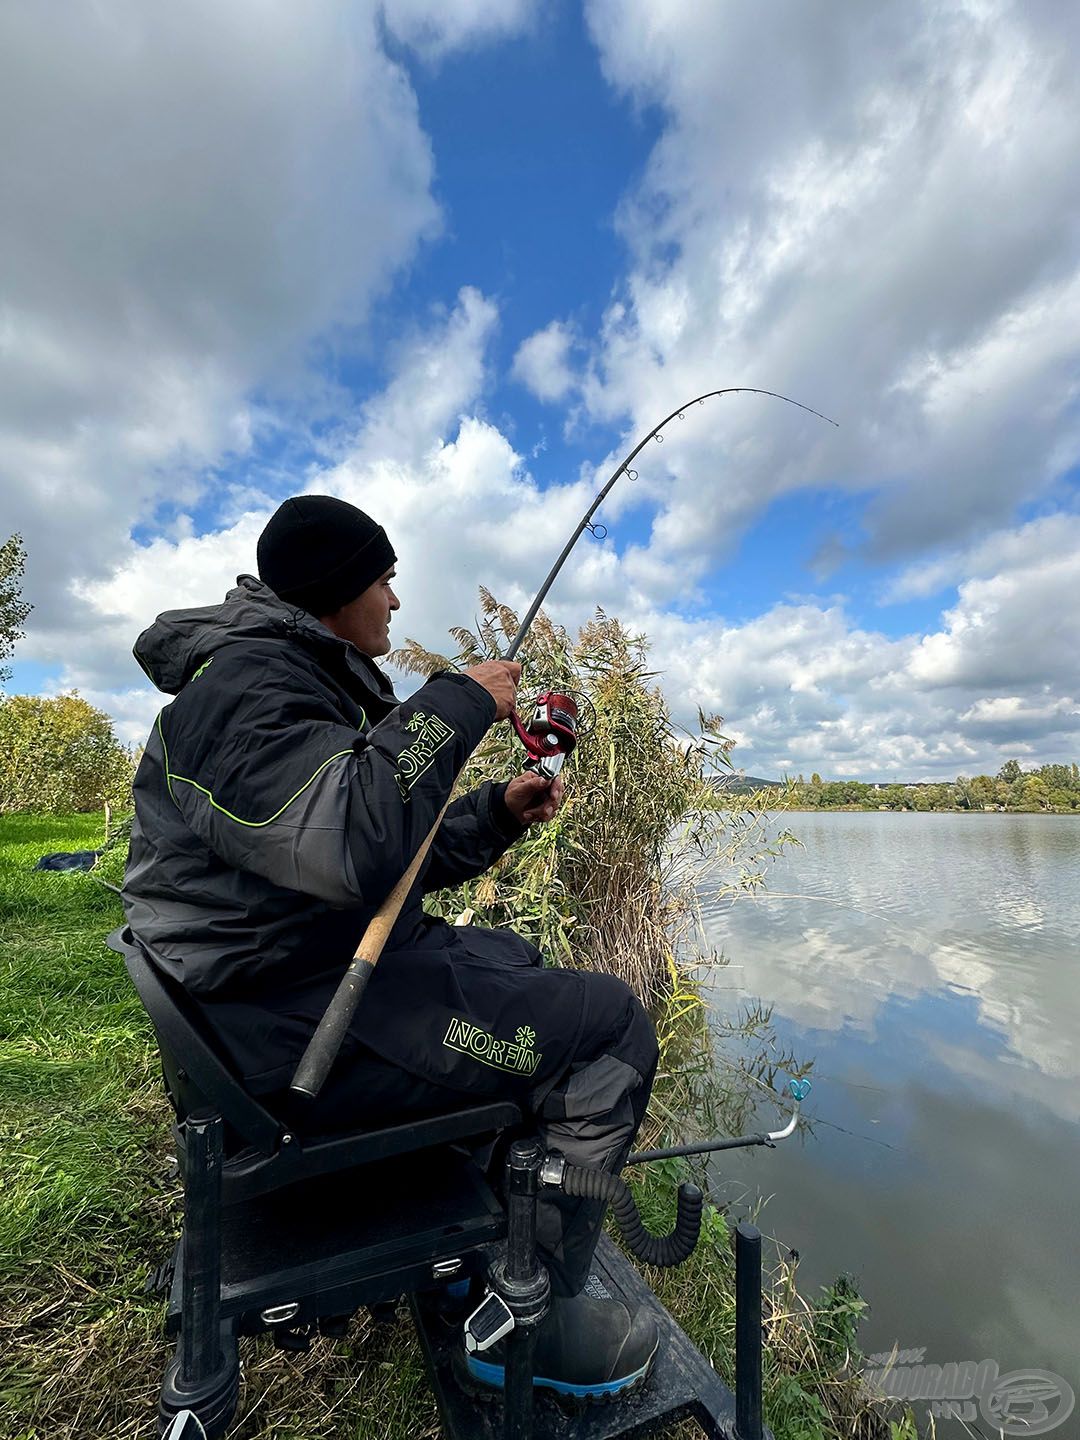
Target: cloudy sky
[(448, 259)]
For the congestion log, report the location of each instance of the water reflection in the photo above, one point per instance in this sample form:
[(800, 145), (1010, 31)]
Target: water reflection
[(928, 964)]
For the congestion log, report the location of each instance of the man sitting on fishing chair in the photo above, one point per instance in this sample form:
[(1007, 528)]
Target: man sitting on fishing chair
[(280, 797)]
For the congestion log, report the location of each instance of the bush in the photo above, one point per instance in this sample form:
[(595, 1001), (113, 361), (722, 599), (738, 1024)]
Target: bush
[(60, 755)]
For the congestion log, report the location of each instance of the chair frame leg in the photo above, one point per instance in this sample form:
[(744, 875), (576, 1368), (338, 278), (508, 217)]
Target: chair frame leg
[(522, 1283), (204, 1374)]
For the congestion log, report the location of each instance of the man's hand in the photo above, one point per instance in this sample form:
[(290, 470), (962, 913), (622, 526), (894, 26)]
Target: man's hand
[(531, 798), (500, 679)]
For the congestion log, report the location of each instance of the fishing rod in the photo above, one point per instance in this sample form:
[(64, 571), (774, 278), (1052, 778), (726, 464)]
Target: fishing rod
[(548, 738), (624, 468)]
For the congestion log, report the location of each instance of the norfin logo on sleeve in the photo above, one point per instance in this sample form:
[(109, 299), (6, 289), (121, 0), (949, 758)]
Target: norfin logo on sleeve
[(431, 735)]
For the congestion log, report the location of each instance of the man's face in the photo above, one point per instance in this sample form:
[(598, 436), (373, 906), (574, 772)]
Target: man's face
[(366, 620)]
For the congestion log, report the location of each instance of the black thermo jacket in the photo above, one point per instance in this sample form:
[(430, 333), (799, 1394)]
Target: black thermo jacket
[(281, 795)]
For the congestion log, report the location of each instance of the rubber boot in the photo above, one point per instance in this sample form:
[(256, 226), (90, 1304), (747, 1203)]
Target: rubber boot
[(586, 1349)]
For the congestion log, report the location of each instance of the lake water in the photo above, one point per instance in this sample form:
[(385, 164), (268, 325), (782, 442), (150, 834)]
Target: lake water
[(930, 969)]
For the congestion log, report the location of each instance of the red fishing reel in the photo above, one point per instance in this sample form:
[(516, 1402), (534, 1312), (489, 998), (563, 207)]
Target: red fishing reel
[(558, 719)]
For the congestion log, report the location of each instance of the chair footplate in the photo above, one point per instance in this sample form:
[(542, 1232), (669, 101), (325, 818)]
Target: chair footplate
[(682, 1383)]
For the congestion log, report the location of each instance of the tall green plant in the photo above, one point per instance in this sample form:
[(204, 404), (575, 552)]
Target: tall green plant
[(610, 883)]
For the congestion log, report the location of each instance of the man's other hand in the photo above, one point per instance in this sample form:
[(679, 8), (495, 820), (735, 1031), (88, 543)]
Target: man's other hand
[(531, 798), (500, 679)]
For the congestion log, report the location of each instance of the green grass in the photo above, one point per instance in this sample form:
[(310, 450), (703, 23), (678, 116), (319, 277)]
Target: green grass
[(89, 1205)]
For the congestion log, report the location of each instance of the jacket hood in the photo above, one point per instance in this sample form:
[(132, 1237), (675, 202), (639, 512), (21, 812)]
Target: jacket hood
[(179, 641)]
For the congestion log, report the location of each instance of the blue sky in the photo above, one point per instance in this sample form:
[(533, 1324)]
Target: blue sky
[(450, 260)]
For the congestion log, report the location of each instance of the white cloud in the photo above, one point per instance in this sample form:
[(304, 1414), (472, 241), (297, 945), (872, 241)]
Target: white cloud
[(1008, 717), (542, 362), (868, 208), (996, 679), (450, 489), (802, 685), (1049, 538), (194, 197), (842, 245), (439, 373), (1014, 629), (434, 28)]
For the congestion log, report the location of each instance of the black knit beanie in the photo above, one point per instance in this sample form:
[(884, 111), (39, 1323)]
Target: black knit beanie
[(319, 553)]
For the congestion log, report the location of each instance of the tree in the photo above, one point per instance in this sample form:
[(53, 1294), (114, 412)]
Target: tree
[(1010, 772), (13, 609), (1058, 777), (1036, 792), (962, 793), (982, 791), (60, 755)]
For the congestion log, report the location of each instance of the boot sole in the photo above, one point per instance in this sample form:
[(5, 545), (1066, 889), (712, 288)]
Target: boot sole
[(487, 1378)]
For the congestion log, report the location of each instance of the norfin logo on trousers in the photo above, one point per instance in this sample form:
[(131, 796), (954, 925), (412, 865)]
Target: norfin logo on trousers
[(469, 1039)]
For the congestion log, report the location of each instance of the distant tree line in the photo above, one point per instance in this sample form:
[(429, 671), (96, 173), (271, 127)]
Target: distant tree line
[(1054, 788)]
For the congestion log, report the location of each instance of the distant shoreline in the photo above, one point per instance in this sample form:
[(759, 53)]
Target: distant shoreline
[(904, 810), (1050, 790)]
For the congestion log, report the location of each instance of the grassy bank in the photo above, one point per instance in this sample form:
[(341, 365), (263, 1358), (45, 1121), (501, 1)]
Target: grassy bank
[(89, 1204)]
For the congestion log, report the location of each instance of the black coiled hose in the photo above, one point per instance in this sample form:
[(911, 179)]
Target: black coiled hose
[(663, 1250)]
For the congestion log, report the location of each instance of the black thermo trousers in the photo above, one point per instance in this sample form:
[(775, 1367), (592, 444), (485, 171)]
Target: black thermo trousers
[(591, 1112)]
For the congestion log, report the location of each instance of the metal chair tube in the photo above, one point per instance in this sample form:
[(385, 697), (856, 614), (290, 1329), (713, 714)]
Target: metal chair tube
[(747, 1332), (200, 1339)]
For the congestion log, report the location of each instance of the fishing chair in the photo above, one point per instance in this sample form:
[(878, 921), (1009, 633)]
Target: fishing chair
[(293, 1234), (289, 1234)]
